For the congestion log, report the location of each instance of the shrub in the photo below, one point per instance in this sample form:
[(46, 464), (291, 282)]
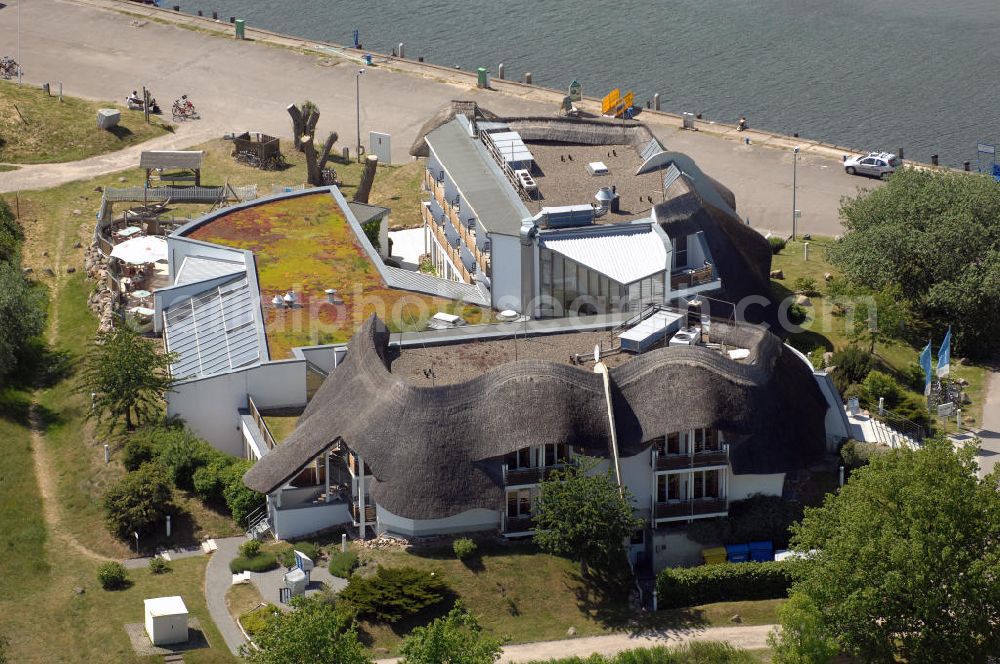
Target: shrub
[(255, 620), (777, 244), (158, 565), (464, 548), (853, 365), (181, 454), (138, 449), (262, 562), (805, 285), (797, 314), (287, 556), (250, 548), (342, 564), (240, 499), (878, 384), (679, 587), (112, 576), (855, 391), (210, 480), (855, 453), (695, 652), (817, 357), (758, 518), (138, 501), (393, 593), (915, 377)]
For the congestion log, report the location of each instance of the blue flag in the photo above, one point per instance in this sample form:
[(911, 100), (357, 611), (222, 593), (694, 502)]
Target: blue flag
[(944, 355), (925, 364)]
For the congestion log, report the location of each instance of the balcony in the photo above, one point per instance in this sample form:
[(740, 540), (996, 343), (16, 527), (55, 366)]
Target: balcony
[(446, 246), (519, 476), (686, 509), (518, 524), (697, 460), (691, 278)]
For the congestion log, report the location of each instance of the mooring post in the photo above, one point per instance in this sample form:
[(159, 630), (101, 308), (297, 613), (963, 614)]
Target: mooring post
[(500, 71), (656, 101), (527, 78), (934, 160)]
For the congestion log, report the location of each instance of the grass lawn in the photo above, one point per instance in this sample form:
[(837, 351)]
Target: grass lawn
[(242, 598), (305, 244), (281, 426), (37, 129), (517, 591), (826, 330)]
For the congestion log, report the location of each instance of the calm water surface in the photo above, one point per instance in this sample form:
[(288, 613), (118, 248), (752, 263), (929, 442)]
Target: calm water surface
[(916, 74)]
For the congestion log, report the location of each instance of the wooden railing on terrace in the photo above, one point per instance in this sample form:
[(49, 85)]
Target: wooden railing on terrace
[(261, 424), (697, 460), (689, 278), (452, 252), (469, 237)]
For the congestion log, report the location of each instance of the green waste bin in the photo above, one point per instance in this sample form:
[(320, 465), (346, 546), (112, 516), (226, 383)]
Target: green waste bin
[(240, 28), (484, 78)]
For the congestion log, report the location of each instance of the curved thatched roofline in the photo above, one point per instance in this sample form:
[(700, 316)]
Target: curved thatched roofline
[(437, 451)]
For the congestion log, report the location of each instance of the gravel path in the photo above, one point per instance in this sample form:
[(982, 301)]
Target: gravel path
[(742, 636)]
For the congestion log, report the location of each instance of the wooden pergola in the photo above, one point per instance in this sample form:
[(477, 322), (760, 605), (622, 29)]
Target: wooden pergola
[(174, 166)]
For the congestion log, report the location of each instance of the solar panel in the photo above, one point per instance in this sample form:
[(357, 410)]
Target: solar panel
[(670, 176)]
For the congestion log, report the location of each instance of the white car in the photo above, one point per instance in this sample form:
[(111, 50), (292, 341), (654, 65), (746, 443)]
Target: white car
[(877, 164)]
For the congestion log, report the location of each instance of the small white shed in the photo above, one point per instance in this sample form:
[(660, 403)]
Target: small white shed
[(166, 620)]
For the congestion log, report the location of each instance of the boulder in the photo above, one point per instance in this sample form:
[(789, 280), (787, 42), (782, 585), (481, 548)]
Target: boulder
[(70, 270), (777, 274), (803, 301), (827, 277), (736, 618)]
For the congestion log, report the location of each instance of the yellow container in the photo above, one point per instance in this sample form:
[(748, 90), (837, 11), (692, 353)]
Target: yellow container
[(714, 556)]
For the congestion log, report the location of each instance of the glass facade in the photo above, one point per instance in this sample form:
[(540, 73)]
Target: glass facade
[(565, 287)]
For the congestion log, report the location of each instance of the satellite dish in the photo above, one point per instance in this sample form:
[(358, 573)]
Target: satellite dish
[(597, 352)]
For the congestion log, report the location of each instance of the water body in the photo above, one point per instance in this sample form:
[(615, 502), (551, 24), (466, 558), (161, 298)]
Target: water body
[(916, 74)]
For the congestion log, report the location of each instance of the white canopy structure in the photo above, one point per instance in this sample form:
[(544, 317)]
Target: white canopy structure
[(141, 250)]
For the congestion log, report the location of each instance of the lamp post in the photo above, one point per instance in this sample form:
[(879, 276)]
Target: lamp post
[(19, 42), (357, 99), (795, 163)]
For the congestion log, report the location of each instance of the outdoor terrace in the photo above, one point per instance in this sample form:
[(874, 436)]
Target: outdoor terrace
[(305, 245), (565, 182)]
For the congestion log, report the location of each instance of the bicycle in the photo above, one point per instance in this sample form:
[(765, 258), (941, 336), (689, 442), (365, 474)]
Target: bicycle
[(183, 109)]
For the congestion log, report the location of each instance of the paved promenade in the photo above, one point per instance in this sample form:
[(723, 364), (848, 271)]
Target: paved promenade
[(246, 85)]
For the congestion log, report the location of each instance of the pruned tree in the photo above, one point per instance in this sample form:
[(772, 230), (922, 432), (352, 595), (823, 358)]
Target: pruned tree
[(314, 632), (127, 377), (315, 163), (304, 121), (456, 638), (367, 179)]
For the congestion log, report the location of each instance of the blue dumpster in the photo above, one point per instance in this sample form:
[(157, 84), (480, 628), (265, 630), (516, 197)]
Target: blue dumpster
[(738, 553), (761, 551)]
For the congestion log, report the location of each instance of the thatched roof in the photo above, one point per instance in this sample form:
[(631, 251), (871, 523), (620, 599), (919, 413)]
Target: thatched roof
[(444, 116), (437, 451)]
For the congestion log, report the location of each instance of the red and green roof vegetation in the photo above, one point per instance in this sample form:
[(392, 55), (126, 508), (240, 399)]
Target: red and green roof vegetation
[(304, 244)]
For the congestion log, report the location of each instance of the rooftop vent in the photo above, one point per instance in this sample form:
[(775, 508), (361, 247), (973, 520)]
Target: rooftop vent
[(597, 168)]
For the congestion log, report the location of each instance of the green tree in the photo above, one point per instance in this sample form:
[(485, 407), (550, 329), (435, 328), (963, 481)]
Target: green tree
[(4, 643), (585, 516), (803, 638), (128, 377), (22, 317), (139, 501), (315, 632), (935, 237), (11, 235), (456, 638), (876, 317), (907, 558)]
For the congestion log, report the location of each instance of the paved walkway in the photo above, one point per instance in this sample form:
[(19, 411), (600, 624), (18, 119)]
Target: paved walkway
[(741, 636), (246, 85), (218, 579), (989, 434)]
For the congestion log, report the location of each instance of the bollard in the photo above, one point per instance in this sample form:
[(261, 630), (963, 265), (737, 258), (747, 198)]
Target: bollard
[(967, 165), (934, 160), (401, 56), (420, 58), (881, 405), (527, 78), (805, 250), (177, 8), (215, 16), (656, 101), (343, 542), (346, 154), (697, 116), (844, 158), (841, 476), (958, 418), (649, 103), (795, 135), (107, 453), (60, 91), (500, 71), (232, 19), (899, 153), (654, 600), (47, 89), (200, 13), (168, 525)]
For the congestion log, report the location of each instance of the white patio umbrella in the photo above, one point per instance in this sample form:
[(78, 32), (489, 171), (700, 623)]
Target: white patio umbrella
[(141, 250)]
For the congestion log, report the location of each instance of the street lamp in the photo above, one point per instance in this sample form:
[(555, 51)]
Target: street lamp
[(357, 98), (795, 163), (19, 42)]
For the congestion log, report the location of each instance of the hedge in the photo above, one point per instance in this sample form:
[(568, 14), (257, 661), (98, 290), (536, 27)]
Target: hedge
[(678, 587), (262, 562)]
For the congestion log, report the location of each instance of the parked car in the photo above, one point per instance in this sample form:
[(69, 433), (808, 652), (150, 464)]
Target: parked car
[(877, 164)]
